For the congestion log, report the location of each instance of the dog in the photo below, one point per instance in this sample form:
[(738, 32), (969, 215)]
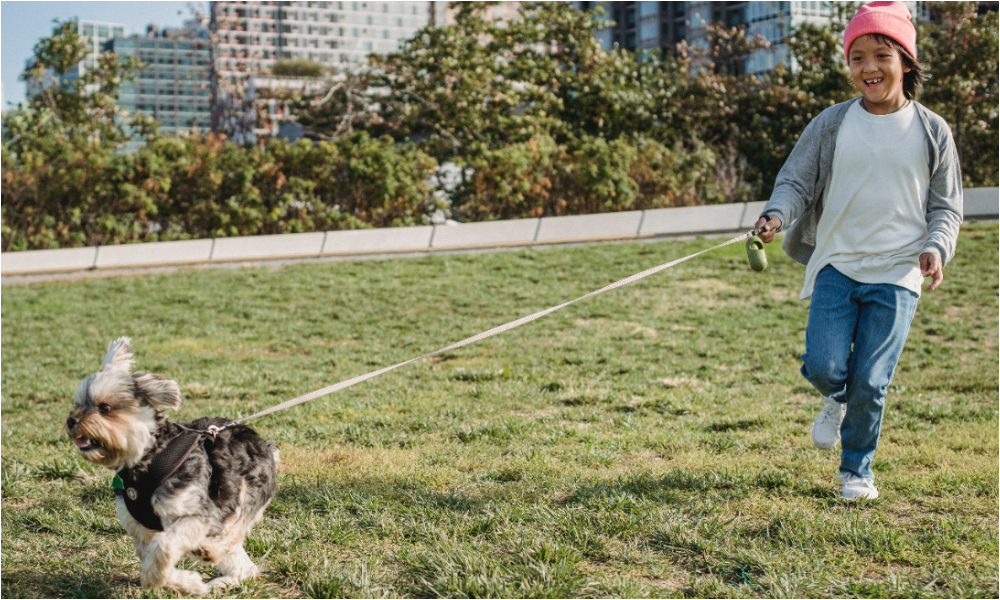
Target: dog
[(180, 488)]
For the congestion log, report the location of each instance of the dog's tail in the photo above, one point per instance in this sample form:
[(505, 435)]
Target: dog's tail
[(275, 454)]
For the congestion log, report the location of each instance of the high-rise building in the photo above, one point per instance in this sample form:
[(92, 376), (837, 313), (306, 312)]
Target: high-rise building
[(774, 21), (253, 35), (96, 34), (174, 88), (642, 26), (250, 37)]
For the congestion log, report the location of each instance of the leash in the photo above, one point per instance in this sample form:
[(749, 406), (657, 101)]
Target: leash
[(214, 430)]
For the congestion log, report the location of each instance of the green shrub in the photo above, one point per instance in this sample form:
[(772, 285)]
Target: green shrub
[(199, 187), (542, 178)]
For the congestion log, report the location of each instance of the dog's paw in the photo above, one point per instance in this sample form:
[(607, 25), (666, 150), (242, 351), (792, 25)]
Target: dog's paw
[(188, 582), (223, 582)]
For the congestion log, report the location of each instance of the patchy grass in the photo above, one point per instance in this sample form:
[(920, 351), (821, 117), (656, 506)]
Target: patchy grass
[(653, 441)]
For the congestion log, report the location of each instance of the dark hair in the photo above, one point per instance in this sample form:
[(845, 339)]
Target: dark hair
[(916, 74)]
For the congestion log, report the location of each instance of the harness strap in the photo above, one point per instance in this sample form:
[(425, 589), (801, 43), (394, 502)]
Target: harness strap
[(138, 491)]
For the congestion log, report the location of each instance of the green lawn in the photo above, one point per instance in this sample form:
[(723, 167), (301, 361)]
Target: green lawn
[(653, 441)]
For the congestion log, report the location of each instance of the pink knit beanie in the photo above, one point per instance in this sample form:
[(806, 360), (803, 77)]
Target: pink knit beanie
[(891, 19)]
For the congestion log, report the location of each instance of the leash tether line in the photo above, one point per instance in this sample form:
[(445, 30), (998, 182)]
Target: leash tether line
[(479, 336)]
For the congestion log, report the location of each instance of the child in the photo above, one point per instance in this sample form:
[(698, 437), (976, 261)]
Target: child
[(875, 193)]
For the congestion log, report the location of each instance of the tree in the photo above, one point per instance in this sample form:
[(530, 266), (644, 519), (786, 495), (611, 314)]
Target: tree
[(61, 156), (75, 108), (960, 48)]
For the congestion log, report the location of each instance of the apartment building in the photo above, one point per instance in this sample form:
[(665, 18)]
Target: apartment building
[(175, 87), (639, 26), (775, 22), (253, 35)]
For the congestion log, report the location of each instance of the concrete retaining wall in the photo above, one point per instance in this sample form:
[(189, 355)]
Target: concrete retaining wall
[(981, 203)]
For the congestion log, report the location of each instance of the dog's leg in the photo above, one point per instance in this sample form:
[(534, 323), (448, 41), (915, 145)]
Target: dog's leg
[(236, 566), (163, 552)]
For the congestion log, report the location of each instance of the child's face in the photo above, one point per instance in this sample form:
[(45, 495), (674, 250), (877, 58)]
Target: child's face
[(877, 71)]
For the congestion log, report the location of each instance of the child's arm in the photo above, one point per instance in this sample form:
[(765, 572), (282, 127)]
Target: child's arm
[(944, 210), (796, 184)]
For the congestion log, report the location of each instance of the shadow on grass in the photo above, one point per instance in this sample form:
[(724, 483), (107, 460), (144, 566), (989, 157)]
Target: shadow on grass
[(67, 582), (676, 486)]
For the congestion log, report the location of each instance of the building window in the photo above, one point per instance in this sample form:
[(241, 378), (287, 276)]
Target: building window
[(647, 31)]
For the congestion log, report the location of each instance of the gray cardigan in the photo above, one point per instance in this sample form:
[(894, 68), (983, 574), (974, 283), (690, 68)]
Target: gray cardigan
[(798, 189)]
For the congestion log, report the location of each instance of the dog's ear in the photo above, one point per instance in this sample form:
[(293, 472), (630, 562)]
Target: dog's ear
[(160, 392), (119, 356)]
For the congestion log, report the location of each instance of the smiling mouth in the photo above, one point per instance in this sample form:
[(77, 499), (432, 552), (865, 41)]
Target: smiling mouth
[(875, 81), (86, 444)]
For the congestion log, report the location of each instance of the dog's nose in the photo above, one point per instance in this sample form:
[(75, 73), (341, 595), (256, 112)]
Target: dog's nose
[(71, 422)]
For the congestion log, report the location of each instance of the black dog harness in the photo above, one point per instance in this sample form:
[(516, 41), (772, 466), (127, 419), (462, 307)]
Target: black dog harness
[(138, 491)]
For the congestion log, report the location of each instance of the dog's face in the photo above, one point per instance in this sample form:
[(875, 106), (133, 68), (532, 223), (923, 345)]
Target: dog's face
[(116, 412)]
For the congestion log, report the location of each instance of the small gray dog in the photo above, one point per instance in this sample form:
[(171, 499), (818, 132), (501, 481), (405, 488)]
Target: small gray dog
[(178, 489)]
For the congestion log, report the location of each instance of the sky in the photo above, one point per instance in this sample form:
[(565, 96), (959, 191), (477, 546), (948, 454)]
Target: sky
[(22, 24)]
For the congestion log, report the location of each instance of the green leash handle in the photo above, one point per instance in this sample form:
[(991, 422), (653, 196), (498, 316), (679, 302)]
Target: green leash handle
[(756, 254)]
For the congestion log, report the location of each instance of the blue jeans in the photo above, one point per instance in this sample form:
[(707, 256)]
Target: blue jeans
[(855, 335)]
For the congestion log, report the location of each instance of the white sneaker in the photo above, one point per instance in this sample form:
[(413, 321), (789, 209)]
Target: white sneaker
[(826, 427), (857, 487)]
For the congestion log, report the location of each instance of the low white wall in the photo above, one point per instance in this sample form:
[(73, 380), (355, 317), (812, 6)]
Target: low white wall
[(981, 203)]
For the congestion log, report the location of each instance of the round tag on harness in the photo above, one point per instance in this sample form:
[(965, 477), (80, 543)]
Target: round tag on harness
[(131, 493)]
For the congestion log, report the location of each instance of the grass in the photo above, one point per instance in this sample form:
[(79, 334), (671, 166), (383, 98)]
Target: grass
[(652, 441)]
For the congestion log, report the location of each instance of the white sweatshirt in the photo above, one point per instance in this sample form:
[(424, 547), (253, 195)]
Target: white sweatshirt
[(873, 225)]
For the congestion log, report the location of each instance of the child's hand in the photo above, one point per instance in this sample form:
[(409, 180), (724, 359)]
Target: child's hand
[(773, 224), (930, 266)]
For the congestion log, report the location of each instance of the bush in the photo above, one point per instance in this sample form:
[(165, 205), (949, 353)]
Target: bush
[(194, 187), (542, 178)]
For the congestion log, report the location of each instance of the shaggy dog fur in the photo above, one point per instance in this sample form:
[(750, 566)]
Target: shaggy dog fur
[(207, 506)]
